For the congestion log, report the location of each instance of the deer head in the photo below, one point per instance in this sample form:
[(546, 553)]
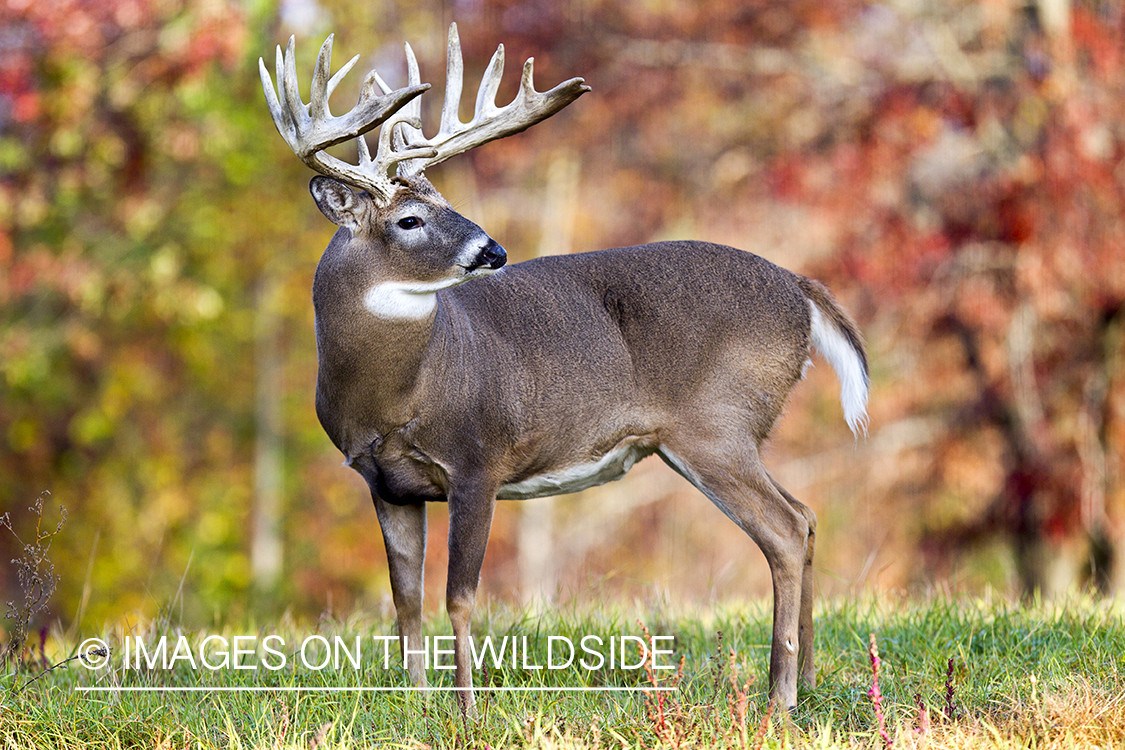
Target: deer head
[(411, 240)]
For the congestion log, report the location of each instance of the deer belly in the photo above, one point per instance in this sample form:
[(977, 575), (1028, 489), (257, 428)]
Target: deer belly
[(613, 465)]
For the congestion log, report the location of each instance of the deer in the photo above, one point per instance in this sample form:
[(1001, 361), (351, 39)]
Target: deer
[(446, 375)]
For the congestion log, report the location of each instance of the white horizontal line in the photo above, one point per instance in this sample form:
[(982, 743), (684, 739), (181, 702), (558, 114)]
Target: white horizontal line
[(302, 689)]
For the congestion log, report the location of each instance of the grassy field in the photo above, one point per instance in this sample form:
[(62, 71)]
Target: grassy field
[(952, 674)]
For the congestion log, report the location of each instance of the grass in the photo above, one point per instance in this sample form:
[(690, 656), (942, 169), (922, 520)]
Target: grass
[(980, 672)]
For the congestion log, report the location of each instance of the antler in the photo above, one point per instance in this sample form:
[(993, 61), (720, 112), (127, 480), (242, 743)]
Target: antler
[(311, 128), (489, 121)]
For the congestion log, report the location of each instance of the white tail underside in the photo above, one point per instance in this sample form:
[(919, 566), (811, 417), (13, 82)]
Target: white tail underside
[(836, 348)]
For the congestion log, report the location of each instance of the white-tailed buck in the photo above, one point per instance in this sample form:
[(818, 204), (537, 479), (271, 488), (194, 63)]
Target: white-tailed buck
[(446, 376)]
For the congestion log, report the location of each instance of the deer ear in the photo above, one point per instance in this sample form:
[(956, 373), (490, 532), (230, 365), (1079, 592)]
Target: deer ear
[(339, 203)]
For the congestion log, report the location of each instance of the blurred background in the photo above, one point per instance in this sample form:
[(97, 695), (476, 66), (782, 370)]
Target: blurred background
[(952, 170)]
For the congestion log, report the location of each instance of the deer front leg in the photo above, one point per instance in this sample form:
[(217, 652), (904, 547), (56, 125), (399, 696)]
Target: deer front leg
[(470, 520), (404, 534)]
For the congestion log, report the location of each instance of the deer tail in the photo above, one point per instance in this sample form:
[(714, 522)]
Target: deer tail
[(837, 338)]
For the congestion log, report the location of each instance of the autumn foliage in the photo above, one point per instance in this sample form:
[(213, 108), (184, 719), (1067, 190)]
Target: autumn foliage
[(952, 170)]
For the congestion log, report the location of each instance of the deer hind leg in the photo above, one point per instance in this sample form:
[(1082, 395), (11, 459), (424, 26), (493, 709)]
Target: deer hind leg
[(739, 485), (806, 631), (404, 534)]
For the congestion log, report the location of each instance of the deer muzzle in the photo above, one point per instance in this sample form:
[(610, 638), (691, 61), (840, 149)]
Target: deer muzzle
[(492, 255)]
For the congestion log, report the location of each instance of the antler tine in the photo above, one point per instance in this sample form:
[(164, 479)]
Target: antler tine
[(394, 145), (311, 128), (322, 87), (454, 79), (489, 84), (489, 121), (278, 106)]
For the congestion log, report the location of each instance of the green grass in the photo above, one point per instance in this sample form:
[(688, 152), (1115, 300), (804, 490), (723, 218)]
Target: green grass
[(1048, 675)]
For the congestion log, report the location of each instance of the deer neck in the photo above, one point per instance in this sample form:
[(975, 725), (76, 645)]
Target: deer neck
[(369, 363)]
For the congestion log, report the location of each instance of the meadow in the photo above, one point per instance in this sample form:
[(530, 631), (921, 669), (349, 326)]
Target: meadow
[(982, 672)]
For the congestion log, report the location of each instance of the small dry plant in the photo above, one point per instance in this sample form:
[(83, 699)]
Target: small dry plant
[(35, 574), (922, 722), (677, 725)]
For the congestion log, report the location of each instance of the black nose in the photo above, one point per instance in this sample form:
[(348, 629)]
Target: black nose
[(491, 255)]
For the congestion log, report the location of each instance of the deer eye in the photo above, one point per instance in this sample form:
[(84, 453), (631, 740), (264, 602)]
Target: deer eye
[(410, 222)]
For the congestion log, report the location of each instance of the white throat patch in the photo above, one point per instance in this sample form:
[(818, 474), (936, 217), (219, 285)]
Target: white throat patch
[(406, 300), (415, 300)]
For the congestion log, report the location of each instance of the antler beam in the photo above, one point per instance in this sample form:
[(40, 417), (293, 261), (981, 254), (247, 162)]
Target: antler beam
[(311, 128), (489, 122)]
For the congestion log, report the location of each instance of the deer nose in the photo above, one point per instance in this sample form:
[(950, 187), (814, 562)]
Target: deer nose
[(491, 255)]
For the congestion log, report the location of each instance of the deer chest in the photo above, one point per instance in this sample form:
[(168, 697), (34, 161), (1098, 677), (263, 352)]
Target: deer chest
[(400, 474)]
